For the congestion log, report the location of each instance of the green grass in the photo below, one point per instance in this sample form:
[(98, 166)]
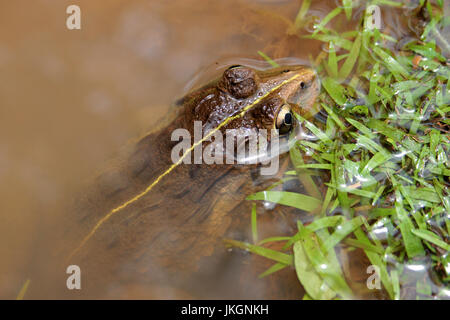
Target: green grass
[(383, 154), (23, 290)]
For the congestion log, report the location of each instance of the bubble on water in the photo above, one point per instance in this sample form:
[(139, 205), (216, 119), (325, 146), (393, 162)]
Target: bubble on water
[(269, 205), (325, 47), (444, 293), (381, 233), (313, 19), (447, 264), (401, 154), (361, 178), (416, 267)]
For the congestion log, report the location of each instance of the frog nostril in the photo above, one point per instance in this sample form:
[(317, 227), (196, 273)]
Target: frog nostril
[(302, 85)]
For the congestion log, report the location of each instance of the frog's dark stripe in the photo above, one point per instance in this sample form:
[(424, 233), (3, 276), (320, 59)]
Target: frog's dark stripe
[(213, 183), (173, 166)]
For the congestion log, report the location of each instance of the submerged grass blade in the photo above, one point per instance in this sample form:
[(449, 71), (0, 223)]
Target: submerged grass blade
[(431, 237), (268, 59), (309, 278), (351, 59), (254, 224), (264, 252), (23, 290), (292, 199)]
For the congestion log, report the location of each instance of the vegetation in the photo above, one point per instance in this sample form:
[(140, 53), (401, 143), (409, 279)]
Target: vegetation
[(384, 148)]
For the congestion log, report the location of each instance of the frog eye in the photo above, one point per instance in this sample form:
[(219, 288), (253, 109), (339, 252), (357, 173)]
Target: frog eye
[(285, 119), (234, 66), (240, 81)]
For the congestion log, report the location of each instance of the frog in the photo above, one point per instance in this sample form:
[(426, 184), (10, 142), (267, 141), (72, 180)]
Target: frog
[(153, 222)]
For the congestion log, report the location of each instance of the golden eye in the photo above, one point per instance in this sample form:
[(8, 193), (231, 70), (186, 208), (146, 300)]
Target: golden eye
[(285, 119)]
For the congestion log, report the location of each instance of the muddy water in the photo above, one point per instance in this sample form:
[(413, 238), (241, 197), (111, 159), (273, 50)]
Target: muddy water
[(70, 100)]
